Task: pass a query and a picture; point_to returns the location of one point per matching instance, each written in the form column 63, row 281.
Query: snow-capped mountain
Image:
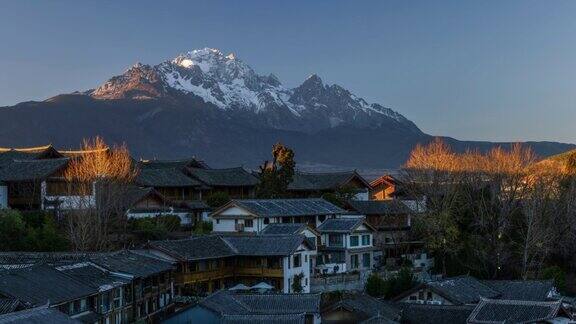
column 229, row 84
column 214, row 106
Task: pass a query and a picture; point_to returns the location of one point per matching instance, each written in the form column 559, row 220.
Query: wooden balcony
column 199, row 276
column 259, row 272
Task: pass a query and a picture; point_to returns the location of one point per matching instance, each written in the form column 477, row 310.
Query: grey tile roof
column 379, row 207
column 534, row 290
column 132, row 263
column 22, row 170
column 367, row 308
column 263, row 245
column 40, row 284
column 463, row 289
column 218, row 246
column 40, row 315
column 322, row 181
column 434, row 314
column 93, row 276
column 9, row 305
column 232, row 177
column 165, row 177
column 230, row 303
column 339, row 225
column 171, row 164
column 195, row 248
column 283, row 228
column 509, row 311
column 264, row 319
column 288, row 207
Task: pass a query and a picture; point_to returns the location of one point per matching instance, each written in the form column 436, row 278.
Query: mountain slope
column 214, row 106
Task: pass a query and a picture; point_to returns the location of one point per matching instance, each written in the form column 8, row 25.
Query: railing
column 228, row 272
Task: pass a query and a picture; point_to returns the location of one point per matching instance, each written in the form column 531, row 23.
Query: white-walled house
column 347, row 244
column 253, row 215
column 207, row 263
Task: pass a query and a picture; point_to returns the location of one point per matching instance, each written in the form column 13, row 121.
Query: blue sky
column 482, row 70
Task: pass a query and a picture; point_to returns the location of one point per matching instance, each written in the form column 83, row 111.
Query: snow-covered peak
column 227, row 82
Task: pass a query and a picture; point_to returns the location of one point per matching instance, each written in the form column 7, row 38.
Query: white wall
column 185, row 218
column 69, row 202
column 3, row 196
column 304, row 268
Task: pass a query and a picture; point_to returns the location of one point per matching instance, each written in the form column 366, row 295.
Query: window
column 217, row 221
column 321, row 218
column 429, row 295
column 365, row 240
column 421, row 295
column 297, row 260
column 354, row 240
column 306, row 258
column 335, row 240
column 412, row 297
column 354, row 261
column 266, row 221
column 248, row 223
column 366, row 260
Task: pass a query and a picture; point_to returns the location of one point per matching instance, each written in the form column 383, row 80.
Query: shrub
column 375, row 285
column 203, row 227
column 557, row 274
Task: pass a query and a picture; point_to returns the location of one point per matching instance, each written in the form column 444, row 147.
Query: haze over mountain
column 214, row 106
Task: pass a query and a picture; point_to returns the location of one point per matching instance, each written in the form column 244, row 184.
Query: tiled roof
column 218, row 246
column 340, row 225
column 463, row 289
column 40, row 284
column 434, row 314
column 287, row 207
column 232, row 177
column 283, row 228
column 263, row 245
column 165, row 177
column 534, row 290
column 322, row 181
column 171, row 164
column 93, row 276
column 367, row 308
column 9, row 305
column 22, row 170
column 195, row 248
column 264, row 319
column 514, row 311
column 131, row 263
column 228, row 303
column 40, row 315
column 379, row 207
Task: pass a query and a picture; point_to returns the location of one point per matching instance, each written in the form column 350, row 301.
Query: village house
column 392, row 220
column 112, row 288
column 40, row 285
column 346, row 245
column 192, row 180
column 206, row 263
column 238, row 307
column 253, row 215
column 467, row 290
column 360, row 308
column 384, row 187
column 310, row 185
column 519, row 311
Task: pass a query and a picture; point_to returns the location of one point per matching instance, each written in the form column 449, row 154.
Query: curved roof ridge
column 26, row 149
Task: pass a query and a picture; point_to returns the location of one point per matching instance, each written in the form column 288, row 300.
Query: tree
column 99, row 178
column 217, row 199
column 12, row 231
column 276, row 175
column 375, row 286
column 297, row 283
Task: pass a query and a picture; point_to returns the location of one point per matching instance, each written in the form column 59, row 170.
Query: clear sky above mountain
column 484, row 70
